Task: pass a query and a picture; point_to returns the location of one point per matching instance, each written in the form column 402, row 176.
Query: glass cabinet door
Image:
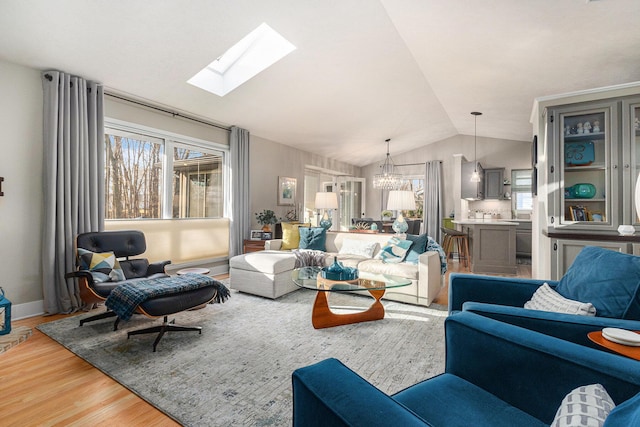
column 634, row 165
column 585, row 163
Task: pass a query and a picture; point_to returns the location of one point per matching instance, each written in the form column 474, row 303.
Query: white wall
column 21, row 205
column 491, row 152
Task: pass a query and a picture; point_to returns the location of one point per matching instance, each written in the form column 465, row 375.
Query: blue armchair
column 614, row 291
column 496, row 375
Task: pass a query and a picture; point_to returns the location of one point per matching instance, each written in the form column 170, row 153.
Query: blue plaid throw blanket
column 124, row 299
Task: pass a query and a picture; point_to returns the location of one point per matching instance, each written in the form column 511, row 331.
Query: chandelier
column 387, row 179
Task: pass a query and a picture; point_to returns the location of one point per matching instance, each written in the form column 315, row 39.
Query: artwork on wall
column 286, row 191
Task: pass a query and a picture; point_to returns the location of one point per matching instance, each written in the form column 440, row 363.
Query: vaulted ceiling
column 363, row 70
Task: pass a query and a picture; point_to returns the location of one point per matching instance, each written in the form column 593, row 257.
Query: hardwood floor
column 44, row 384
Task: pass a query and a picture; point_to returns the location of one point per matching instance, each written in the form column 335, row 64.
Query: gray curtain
column 240, row 195
column 433, row 199
column 73, row 184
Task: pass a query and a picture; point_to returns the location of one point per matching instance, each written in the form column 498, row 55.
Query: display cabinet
column 585, row 167
column 631, row 159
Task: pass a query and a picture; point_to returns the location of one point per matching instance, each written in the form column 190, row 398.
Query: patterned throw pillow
column 546, row 299
column 586, row 406
column 395, row 250
column 104, row 263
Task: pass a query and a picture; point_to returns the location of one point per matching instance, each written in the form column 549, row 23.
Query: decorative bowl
column 626, row 230
column 582, row 191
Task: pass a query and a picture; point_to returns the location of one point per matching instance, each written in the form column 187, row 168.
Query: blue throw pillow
column 607, row 279
column 419, row 247
column 313, row 238
column 395, row 250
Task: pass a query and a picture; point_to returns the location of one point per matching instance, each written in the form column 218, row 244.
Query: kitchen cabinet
column 492, row 244
column 472, row 190
column 494, row 183
column 523, row 239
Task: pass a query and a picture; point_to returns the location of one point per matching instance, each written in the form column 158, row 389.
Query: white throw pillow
column 588, row 406
column 546, row 299
column 358, row 247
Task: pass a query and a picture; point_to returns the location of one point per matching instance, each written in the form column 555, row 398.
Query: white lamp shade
column 401, row 200
column 326, row 200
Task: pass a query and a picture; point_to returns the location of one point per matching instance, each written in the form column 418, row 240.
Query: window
column 415, row 184
column 521, row 195
column 138, row 173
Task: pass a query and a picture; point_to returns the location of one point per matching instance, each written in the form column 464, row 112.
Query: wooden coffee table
column 625, row 350
column 323, row 317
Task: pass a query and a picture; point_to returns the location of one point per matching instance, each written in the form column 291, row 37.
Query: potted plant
column 266, row 218
column 386, row 215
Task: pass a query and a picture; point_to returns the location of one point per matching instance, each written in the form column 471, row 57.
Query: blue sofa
column 608, row 279
column 496, row 375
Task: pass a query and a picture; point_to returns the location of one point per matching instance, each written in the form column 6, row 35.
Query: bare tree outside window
column 132, row 177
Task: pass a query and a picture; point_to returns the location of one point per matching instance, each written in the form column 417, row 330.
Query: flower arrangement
column 266, row 217
column 386, row 214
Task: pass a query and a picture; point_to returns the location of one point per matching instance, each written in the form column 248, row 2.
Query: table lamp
column 326, row 201
column 400, row 201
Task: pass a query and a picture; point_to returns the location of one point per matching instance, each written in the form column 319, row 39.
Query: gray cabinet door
column 564, row 252
column 494, row 183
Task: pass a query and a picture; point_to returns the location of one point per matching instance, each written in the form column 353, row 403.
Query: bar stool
column 461, row 242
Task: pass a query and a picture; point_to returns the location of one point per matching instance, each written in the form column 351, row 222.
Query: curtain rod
column 173, row 113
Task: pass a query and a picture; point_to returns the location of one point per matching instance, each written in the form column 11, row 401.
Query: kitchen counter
column 492, row 244
column 486, row 221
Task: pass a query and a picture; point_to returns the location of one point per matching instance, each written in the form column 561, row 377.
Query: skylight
column 256, row 52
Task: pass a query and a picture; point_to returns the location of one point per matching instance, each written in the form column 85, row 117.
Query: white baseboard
column 28, row 309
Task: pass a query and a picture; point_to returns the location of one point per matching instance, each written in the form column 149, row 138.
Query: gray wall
column 21, row 205
column 269, row 160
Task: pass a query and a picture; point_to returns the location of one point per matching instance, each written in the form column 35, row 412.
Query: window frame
column 172, row 140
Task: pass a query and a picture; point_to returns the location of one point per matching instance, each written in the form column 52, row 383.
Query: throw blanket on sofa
column 309, row 258
column 432, row 245
column 124, row 299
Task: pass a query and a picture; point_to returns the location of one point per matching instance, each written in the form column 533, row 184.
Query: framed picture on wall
column 286, row 191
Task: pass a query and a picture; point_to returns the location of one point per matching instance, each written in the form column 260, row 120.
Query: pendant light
column 475, row 176
column 387, row 179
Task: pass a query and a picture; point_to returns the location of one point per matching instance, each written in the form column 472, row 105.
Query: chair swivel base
column 165, row 327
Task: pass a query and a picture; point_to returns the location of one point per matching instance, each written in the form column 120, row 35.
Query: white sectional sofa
column 268, row 273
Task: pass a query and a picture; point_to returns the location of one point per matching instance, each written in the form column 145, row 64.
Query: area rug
column 238, row 371
column 17, row 335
